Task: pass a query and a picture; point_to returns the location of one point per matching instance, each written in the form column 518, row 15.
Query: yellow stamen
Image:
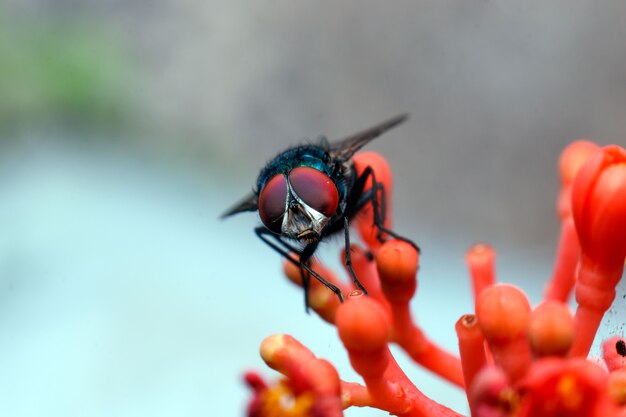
column 569, row 393
column 279, row 401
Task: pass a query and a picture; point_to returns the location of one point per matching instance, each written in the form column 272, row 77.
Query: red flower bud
column 614, row 353
column 503, row 314
column 363, row 325
column 397, row 263
column 551, row 330
column 572, row 159
column 599, row 206
column 282, row 352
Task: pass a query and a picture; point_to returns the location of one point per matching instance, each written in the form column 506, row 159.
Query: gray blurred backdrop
column 126, row 128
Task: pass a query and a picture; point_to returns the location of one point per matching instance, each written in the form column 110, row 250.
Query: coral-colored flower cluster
column 513, row 359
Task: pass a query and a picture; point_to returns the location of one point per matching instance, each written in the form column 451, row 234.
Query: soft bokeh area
column 127, row 128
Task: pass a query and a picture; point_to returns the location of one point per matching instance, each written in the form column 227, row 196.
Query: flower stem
column 564, row 276
column 595, row 292
column 480, row 260
column 428, row 354
column 471, row 349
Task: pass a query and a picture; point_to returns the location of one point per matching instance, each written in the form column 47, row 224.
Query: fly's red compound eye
column 315, row 188
column 272, row 202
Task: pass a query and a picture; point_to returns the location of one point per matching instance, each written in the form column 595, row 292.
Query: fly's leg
column 262, row 232
column 284, row 249
column 376, row 195
column 305, row 257
column 346, row 232
column 306, row 284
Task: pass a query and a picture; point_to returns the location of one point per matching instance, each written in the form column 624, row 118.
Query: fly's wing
column 345, row 148
column 249, row 203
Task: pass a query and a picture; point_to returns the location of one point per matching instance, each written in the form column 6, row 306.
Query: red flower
column 491, row 394
column 565, row 387
column 311, row 387
column 617, row 387
column 281, row 399
column 599, row 206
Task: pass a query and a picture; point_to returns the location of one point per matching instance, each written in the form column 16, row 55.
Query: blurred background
column 127, row 128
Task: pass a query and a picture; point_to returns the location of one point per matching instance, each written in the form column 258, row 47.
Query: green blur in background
column 62, row 74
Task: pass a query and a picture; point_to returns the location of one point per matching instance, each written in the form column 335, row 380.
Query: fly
column 309, row 192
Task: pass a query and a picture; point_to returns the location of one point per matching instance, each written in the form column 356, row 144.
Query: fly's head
column 299, row 204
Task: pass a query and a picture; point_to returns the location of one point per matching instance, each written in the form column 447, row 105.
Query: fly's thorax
column 345, row 178
column 306, row 155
